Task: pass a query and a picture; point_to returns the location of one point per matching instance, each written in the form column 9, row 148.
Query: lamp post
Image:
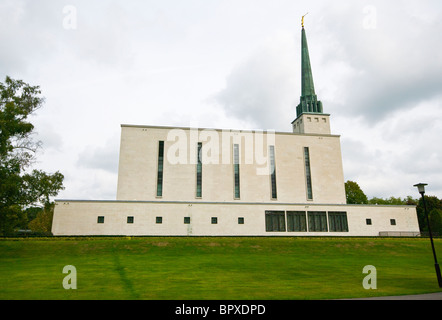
column 421, row 188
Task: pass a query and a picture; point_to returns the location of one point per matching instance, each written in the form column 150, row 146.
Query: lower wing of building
column 139, row 218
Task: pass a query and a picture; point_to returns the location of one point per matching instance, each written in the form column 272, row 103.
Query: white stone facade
column 259, row 210
column 80, row 218
column 137, row 178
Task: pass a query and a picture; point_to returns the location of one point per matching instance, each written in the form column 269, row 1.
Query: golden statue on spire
column 302, row 20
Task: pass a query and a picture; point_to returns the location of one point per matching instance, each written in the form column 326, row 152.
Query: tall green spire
column 308, row 88
column 309, row 101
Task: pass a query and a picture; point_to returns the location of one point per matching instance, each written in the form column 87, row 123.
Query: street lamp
column 421, row 188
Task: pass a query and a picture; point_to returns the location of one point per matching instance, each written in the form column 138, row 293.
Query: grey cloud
column 101, row 157
column 101, row 35
column 375, row 72
column 387, row 158
column 35, row 31
column 26, row 33
column 49, row 137
column 398, row 63
column 262, row 89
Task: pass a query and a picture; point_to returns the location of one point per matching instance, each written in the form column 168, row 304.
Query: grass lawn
column 215, row 268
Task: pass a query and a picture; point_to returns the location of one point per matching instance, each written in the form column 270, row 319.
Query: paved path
column 429, row 296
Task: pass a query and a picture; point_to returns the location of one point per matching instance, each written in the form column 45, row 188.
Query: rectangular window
column 275, row 221
column 240, row 220
column 160, row 169
column 393, row 222
column 296, row 221
column 130, row 219
column 317, row 221
column 368, row 221
column 214, row 220
column 236, row 170
column 199, row 171
column 186, row 220
column 159, row 220
column 308, row 175
column 272, row 171
column 100, row 220
column 338, row 221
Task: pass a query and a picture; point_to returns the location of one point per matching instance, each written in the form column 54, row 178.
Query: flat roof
column 236, row 203
column 234, row 130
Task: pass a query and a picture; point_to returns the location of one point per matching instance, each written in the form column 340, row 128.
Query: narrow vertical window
column 308, row 175
column 160, row 169
column 272, row 171
column 236, row 169
column 199, row 171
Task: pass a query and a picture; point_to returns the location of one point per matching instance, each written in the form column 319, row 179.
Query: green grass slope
column 215, row 268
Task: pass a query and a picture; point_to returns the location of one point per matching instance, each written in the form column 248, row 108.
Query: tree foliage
column 43, row 221
column 20, row 188
column 434, row 207
column 354, row 193
column 435, row 217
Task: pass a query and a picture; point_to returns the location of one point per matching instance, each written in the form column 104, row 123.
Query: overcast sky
column 377, row 68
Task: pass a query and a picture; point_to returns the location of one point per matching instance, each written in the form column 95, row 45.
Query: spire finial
column 302, row 20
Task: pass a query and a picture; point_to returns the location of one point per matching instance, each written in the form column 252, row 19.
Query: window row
column 290, row 221
column 159, row 220
column 236, row 172
column 301, row 221
column 369, row 222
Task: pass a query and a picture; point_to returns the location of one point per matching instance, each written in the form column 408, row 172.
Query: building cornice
column 232, row 130
column 306, row 205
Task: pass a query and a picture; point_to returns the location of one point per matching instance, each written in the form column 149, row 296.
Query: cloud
column 261, row 90
column 36, row 31
column 389, row 157
column 101, row 35
column 87, row 184
column 157, row 62
column 101, row 157
column 47, row 134
column 395, row 65
column 25, row 33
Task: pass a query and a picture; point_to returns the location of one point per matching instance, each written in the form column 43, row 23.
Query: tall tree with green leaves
column 20, row 188
column 432, row 203
column 354, row 193
column 436, row 221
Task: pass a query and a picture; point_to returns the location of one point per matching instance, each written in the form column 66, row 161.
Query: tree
column 436, row 221
column 43, row 222
column 409, row 201
column 432, row 203
column 43, row 186
column 19, row 188
column 354, row 193
column 392, row 201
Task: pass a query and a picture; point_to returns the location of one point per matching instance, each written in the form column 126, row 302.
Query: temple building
column 176, row 181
